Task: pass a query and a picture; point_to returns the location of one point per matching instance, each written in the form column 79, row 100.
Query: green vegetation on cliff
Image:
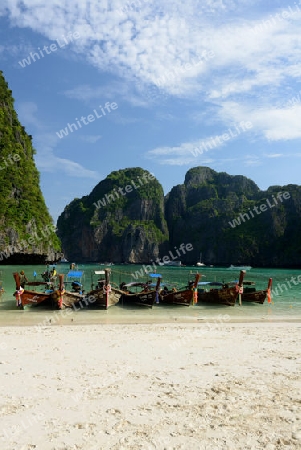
column 121, row 220
column 215, row 212
column 25, row 223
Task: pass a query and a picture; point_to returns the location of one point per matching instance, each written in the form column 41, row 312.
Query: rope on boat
column 177, row 284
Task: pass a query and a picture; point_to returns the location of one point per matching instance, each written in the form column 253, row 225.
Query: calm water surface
column 286, row 296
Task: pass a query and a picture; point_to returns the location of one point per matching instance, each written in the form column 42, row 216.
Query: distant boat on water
column 200, row 263
column 173, row 263
column 232, row 267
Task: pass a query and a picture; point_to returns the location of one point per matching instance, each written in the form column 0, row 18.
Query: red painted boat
column 183, row 297
column 49, row 296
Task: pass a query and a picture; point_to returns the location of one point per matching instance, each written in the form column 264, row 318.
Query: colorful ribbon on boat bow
column 60, row 300
column 18, row 296
column 195, row 296
column 239, row 289
column 107, row 288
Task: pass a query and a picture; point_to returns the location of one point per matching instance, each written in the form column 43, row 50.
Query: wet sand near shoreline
column 118, row 315
column 10, row 315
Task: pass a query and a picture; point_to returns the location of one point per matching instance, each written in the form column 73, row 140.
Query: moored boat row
column 104, row 294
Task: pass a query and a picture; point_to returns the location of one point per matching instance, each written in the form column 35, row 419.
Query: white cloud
column 91, row 138
column 190, row 152
column 47, row 161
column 27, row 112
column 142, row 43
column 252, row 160
column 185, row 153
column 45, row 143
column 274, row 155
column 273, row 124
column 113, row 91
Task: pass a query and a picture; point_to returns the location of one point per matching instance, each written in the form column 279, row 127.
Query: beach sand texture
column 151, row 386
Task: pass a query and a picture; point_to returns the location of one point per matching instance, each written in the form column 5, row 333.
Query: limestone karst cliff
column 226, row 218
column 121, row 220
column 230, row 220
column 27, row 232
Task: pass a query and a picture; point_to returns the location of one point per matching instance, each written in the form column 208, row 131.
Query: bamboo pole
column 240, row 285
column 107, row 287
column 61, row 289
column 157, row 289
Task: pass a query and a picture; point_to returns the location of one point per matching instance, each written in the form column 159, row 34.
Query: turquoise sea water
column 286, row 294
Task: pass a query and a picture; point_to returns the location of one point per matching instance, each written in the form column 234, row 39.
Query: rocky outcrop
column 226, row 218
column 121, row 220
column 230, row 220
column 27, row 233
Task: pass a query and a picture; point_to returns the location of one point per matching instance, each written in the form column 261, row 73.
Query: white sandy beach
column 151, row 386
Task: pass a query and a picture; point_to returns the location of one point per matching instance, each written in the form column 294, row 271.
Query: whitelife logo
column 215, row 141
column 86, row 120
column 33, row 57
column 263, row 207
column 146, row 177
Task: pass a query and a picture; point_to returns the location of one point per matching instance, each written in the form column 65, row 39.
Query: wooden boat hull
column 25, row 297
column 36, row 298
column 140, row 298
column 102, row 299
column 224, row 296
column 71, row 299
column 183, row 298
column 256, row 297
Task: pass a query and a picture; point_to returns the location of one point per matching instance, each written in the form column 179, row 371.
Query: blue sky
column 186, row 79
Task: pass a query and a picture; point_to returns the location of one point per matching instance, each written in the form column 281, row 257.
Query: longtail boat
column 104, row 295
column 49, row 296
column 225, row 295
column 146, row 297
column 250, row 294
column 31, row 297
column 74, row 289
column 184, row 297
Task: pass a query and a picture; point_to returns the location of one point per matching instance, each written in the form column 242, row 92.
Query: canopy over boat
column 75, row 274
